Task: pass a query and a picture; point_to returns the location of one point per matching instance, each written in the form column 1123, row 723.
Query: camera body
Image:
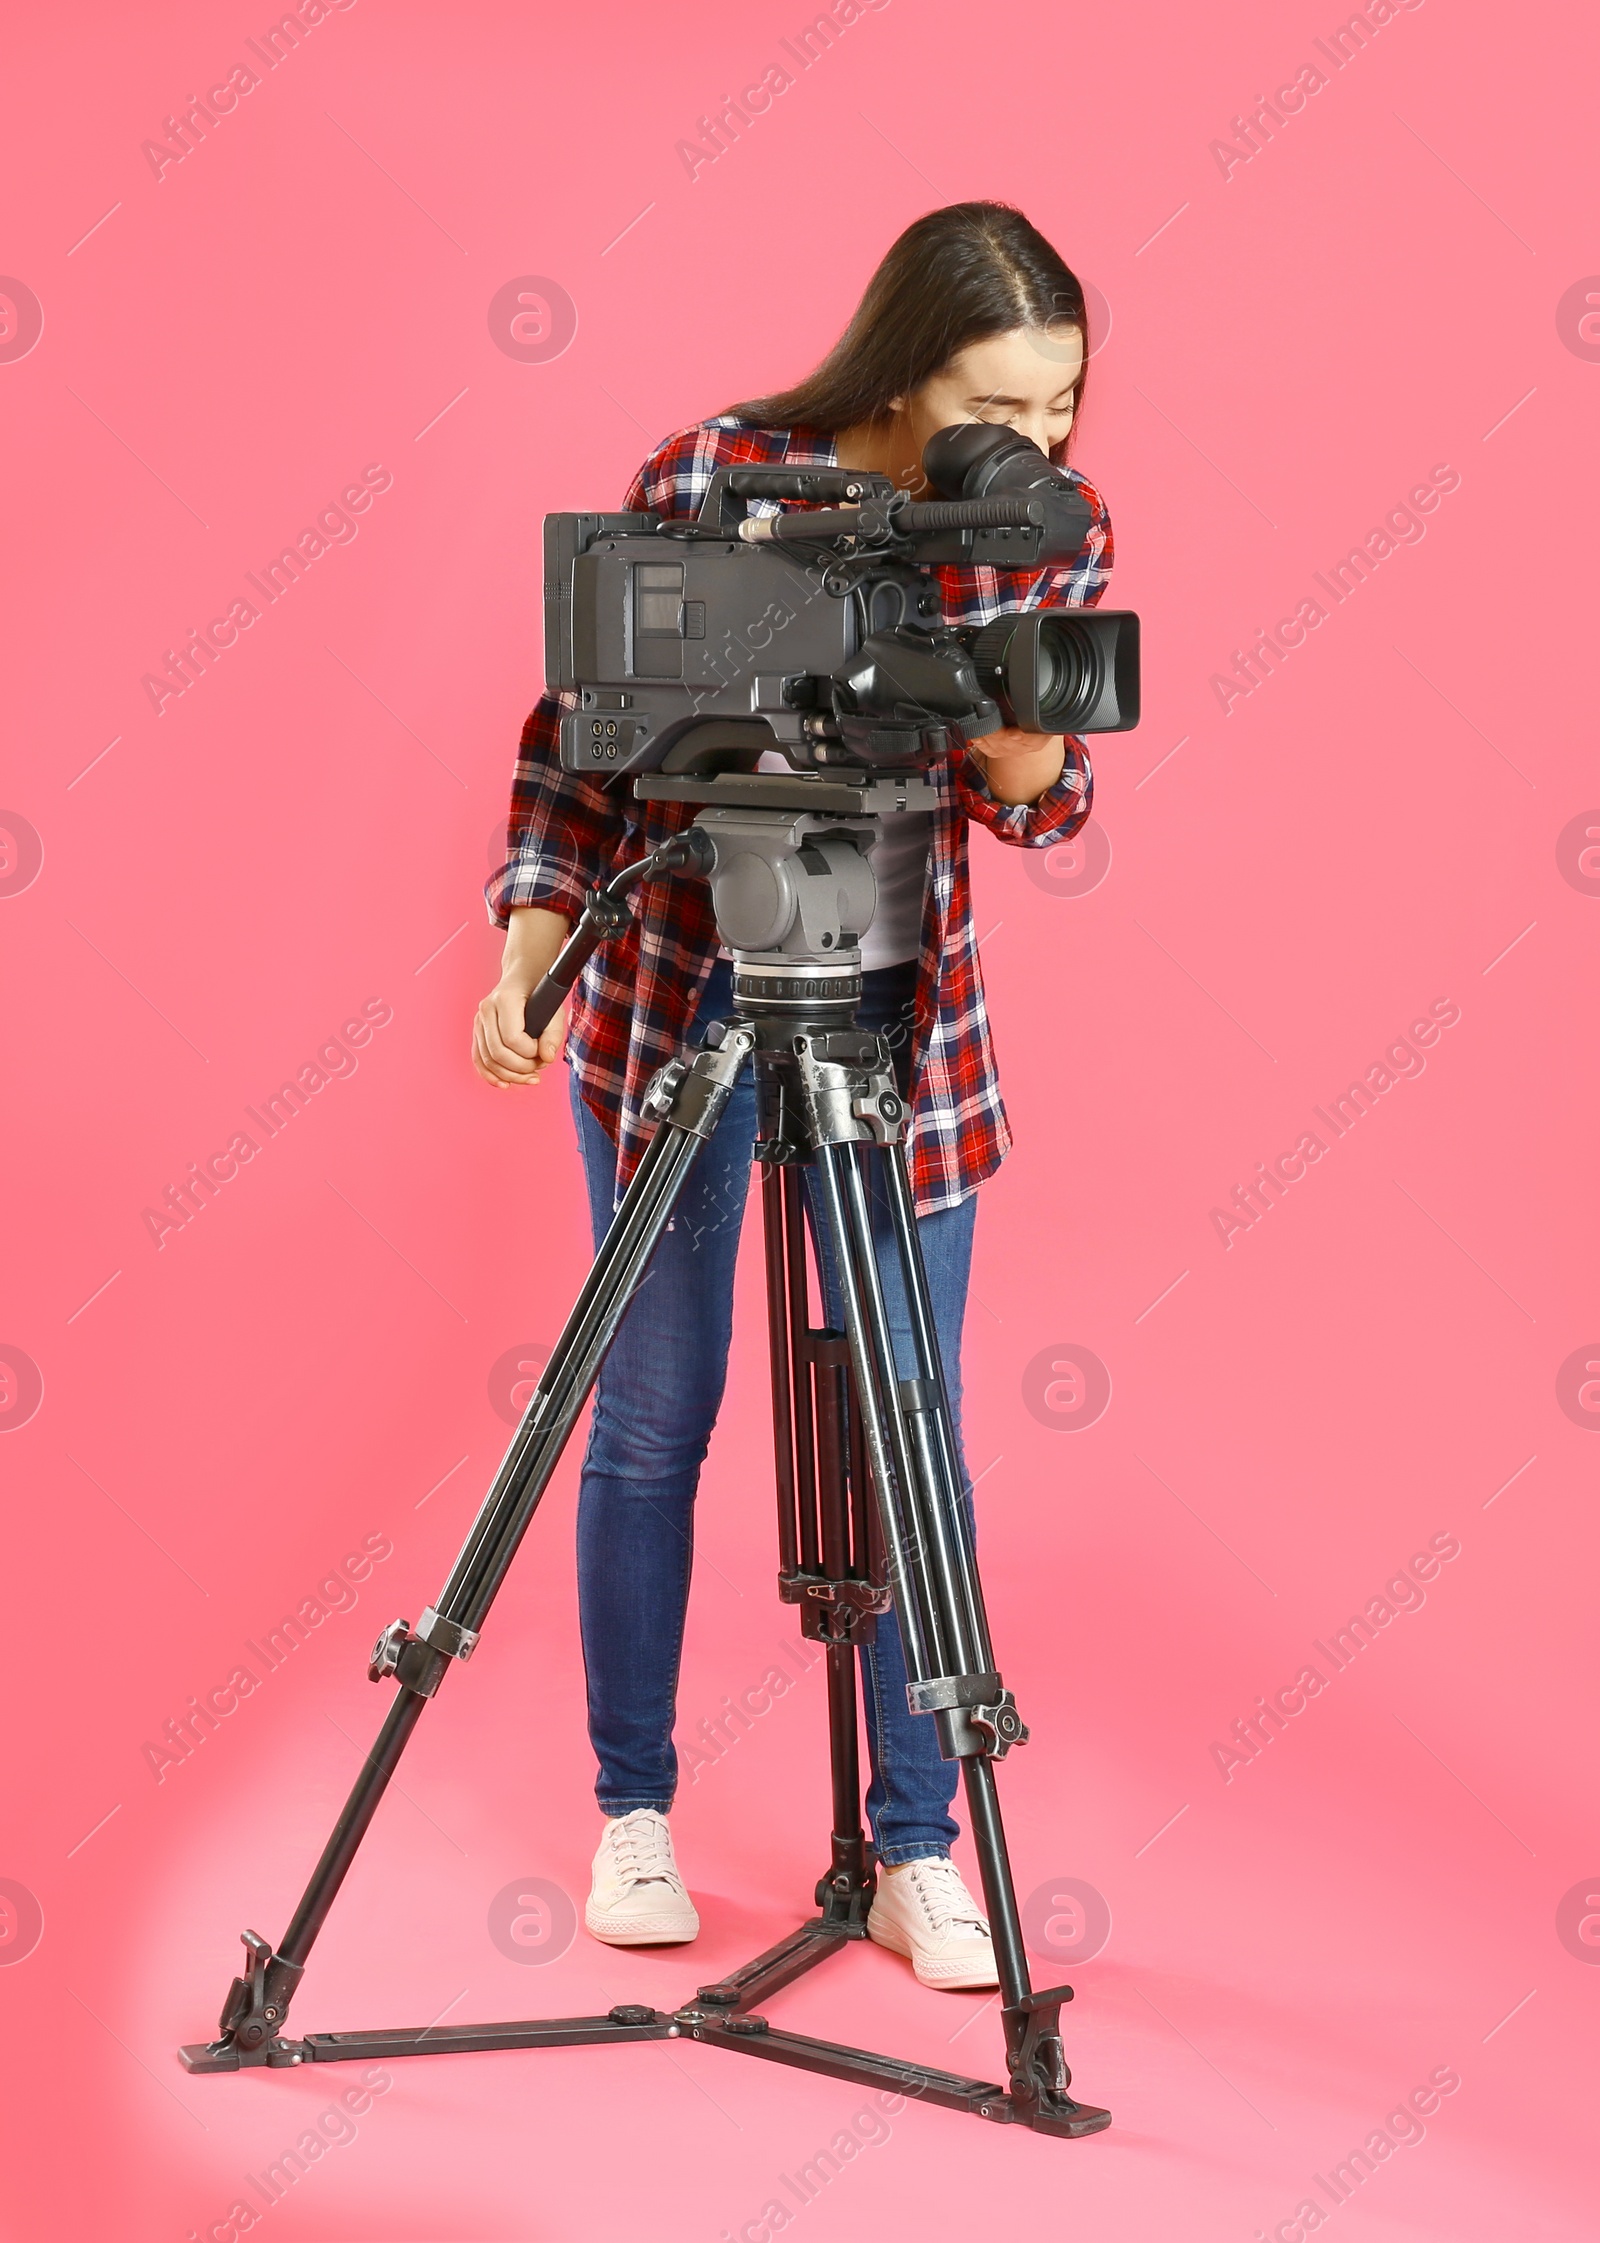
column 695, row 646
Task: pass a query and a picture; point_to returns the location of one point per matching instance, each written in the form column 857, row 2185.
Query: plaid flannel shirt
column 637, row 998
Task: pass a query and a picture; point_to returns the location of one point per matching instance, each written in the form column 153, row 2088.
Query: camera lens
column 1046, row 671
column 1070, row 675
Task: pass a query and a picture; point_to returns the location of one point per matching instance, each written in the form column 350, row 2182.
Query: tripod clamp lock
column 419, row 1657
column 445, row 1635
column 998, row 1727
column 691, row 1093
column 848, row 1090
column 882, row 1111
column 983, row 1717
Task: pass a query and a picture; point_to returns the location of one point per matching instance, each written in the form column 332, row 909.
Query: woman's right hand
column 502, row 1050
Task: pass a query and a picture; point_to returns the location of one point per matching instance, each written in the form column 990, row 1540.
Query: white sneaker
column 637, row 1898
column 925, row 1911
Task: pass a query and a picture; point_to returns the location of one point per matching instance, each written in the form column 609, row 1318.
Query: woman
column 971, row 316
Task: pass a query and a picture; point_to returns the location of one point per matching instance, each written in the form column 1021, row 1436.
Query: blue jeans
column 655, row 1405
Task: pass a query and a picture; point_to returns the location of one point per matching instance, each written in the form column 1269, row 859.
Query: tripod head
column 793, row 892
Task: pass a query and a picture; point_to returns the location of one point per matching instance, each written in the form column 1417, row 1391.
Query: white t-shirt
column 899, row 859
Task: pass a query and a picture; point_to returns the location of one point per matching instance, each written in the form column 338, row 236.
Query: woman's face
column 1022, row 379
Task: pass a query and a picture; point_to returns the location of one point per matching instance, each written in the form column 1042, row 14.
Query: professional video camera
column 695, row 645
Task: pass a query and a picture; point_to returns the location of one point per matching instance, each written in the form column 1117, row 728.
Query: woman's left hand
column 1019, row 766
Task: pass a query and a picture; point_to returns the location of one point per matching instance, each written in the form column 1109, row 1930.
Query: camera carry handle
column 844, row 486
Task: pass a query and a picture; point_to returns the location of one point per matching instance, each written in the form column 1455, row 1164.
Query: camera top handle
column 1048, row 518
column 969, row 460
column 720, row 512
column 882, row 508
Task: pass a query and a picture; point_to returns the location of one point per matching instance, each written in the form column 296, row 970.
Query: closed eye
column 978, row 406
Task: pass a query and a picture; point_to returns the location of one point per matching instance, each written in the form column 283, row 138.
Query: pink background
column 1382, row 289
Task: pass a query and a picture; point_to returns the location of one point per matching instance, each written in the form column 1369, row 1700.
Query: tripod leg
column 846, row 1893
column 686, row 1101
column 819, row 1570
column 910, row 1441
column 899, row 1456
column 1038, row 2063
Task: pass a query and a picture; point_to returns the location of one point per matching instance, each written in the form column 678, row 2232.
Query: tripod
column 870, row 1500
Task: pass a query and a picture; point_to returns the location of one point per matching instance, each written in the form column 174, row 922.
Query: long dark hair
column 953, row 277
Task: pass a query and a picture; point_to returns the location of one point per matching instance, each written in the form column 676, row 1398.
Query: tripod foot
column 1038, row 2065
column 252, row 2016
column 224, row 2055
column 845, row 1894
column 1061, row 2115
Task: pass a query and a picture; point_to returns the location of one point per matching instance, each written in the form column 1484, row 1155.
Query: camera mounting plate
column 871, row 795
